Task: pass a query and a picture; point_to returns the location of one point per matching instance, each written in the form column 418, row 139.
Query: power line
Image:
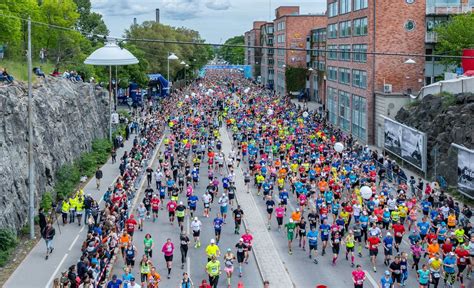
column 202, row 43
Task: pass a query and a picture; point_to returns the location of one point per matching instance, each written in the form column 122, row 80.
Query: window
column 345, row 6
column 345, row 29
column 270, row 29
column 360, row 4
column 360, row 26
column 332, row 31
column 410, row 25
column 359, row 117
column 344, row 110
column 359, row 53
column 345, row 52
column 344, row 76
column 332, row 9
column 281, row 52
column 359, row 78
column 410, row 1
column 332, row 73
column 321, row 66
column 332, row 105
column 332, row 54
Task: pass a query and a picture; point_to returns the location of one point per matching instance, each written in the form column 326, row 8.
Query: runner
column 374, row 243
column 145, row 269
column 312, row 237
column 196, row 227
column 149, row 245
column 171, row 206
column 238, row 215
column 183, row 247
column 212, row 250
column 213, row 269
column 229, row 258
column 290, row 230
column 240, row 246
column 218, row 222
column 248, row 238
column 168, row 250
column 358, row 277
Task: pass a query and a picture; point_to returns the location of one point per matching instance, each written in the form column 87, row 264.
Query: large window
column 345, row 29
column 344, row 110
column 359, row 117
column 332, row 73
column 332, row 52
column 345, row 6
column 360, row 4
column 359, row 78
column 360, row 27
column 332, row 9
column 332, row 105
column 359, row 53
column 332, row 31
column 345, row 52
column 344, row 76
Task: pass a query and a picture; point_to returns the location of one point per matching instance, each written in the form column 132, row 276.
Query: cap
column 388, row 234
column 195, row 218
column 387, row 273
column 114, row 277
column 297, row 209
column 213, row 241
column 180, row 202
column 291, row 220
column 132, row 279
column 228, row 249
column 241, row 239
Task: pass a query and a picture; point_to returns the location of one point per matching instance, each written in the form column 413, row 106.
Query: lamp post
column 184, row 66
column 171, row 56
column 111, row 55
column 409, row 61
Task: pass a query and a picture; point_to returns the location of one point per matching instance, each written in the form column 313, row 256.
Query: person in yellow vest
column 65, row 210
column 79, row 208
column 72, row 209
column 451, row 221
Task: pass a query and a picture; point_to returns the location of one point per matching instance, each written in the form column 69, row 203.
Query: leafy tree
column 233, row 55
column 295, row 78
column 89, row 22
column 454, row 36
column 11, row 31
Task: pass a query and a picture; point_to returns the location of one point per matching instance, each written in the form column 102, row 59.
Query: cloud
column 218, row 4
column 180, row 9
column 119, row 7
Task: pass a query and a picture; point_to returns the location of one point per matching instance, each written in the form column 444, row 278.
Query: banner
column 466, row 172
column 406, row 143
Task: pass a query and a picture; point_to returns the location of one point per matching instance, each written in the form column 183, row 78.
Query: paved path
column 35, row 271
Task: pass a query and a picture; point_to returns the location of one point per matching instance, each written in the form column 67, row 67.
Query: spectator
column 38, row 72
column 4, row 76
column 56, row 73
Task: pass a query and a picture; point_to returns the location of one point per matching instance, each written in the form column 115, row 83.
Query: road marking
column 56, row 271
column 371, row 279
column 74, row 242
column 82, row 229
column 188, row 266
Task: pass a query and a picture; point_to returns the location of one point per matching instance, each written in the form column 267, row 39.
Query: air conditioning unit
column 387, row 88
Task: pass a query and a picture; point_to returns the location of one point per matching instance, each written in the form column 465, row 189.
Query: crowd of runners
column 289, row 161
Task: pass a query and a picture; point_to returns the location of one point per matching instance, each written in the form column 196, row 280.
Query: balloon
column 366, row 192
column 200, row 84
column 339, row 147
column 305, row 114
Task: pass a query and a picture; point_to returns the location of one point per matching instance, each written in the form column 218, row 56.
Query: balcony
column 431, row 37
column 448, row 10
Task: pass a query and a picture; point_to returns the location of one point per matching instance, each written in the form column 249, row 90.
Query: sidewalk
column 270, row 265
column 35, row 271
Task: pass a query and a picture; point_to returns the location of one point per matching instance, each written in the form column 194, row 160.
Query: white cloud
column 180, row 9
column 218, row 4
column 119, row 7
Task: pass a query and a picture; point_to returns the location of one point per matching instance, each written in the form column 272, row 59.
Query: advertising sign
column 465, row 171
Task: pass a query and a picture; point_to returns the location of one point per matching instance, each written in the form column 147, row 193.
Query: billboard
column 465, row 171
column 405, row 142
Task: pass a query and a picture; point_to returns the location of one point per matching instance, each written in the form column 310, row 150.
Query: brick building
column 253, row 55
column 290, row 31
column 316, row 62
column 267, row 61
column 357, row 28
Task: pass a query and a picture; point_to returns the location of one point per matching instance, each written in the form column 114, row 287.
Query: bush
column 46, row 201
column 8, row 242
column 101, row 149
column 67, row 178
column 87, row 164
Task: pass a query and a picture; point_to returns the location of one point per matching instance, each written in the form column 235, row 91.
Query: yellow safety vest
column 65, row 207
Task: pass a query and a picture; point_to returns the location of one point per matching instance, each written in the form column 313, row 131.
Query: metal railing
column 443, row 10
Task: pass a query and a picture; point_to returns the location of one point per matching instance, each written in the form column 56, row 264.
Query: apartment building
column 253, row 55
column 290, row 31
column 316, row 63
column 438, row 12
column 267, row 61
column 362, row 38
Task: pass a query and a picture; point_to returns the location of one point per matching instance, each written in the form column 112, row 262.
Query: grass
column 8, row 242
column 19, row 70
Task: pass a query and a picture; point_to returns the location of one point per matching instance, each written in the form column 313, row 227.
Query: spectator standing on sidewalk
column 42, row 220
column 98, row 176
column 48, row 236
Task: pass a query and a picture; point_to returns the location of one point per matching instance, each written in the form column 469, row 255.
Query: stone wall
column 67, row 117
column 444, row 124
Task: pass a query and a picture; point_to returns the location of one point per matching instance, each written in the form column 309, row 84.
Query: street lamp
column 310, row 69
column 410, row 61
column 171, row 56
column 111, row 55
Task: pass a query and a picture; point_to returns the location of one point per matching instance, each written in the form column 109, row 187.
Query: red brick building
column 290, row 31
column 359, row 33
column 253, row 55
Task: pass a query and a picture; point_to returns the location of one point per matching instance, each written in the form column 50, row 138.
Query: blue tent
column 158, row 81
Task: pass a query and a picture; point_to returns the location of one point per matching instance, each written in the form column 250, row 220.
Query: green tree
column 295, row 78
column 454, row 36
column 11, row 35
column 233, row 55
column 89, row 22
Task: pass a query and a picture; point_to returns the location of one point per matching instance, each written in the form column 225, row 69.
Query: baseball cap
column 387, row 273
column 114, row 277
column 241, row 239
column 132, row 279
column 213, row 241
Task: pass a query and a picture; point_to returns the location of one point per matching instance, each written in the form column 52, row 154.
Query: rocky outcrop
column 67, row 117
column 445, row 119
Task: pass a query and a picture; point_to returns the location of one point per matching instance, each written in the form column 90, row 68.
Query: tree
column 90, row 22
column 233, row 55
column 295, row 78
column 454, row 36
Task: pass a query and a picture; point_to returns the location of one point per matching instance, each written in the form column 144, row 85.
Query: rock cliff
column 67, row 117
column 445, row 119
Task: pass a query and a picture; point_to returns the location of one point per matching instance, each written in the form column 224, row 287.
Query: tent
column 158, row 85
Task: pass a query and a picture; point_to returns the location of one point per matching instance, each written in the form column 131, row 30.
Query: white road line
column 73, row 242
column 188, row 266
column 82, row 229
column 48, row 285
column 371, row 279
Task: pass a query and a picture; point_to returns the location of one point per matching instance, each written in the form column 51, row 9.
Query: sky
column 216, row 20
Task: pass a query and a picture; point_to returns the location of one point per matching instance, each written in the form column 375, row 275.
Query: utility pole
column 31, row 166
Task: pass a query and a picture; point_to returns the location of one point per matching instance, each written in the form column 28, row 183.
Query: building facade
column 316, row 63
column 253, row 55
column 360, row 61
column 267, row 60
column 290, row 31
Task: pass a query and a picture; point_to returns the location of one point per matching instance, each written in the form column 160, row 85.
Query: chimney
column 135, row 21
column 157, row 15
